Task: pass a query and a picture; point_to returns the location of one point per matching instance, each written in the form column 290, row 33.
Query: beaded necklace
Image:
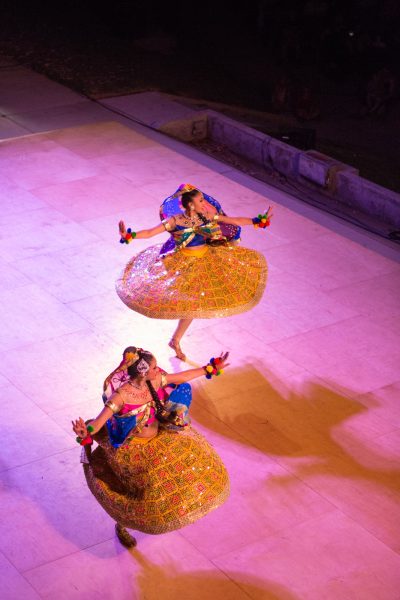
column 191, row 221
column 138, row 387
column 139, row 393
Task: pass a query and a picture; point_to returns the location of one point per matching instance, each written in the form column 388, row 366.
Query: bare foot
column 178, row 350
column 124, row 536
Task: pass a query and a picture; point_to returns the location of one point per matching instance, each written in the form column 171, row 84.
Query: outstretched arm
column 144, row 233
column 184, row 376
column 261, row 221
column 190, row 374
column 80, row 427
column 241, row 221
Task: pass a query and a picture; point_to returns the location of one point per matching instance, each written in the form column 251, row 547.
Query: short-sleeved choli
column 169, row 224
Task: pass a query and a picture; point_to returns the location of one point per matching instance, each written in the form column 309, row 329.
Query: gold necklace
column 138, row 387
column 188, row 220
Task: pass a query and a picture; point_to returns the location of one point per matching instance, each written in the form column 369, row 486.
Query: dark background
column 331, row 67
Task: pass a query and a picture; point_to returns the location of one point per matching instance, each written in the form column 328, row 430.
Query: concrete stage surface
column 306, row 418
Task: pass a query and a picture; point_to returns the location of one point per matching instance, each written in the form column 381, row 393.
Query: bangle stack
column 127, row 237
column 262, row 221
column 213, row 368
column 88, row 439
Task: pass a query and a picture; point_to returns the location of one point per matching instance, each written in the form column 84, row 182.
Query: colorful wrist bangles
column 128, row 236
column 262, row 221
column 88, row 439
column 212, row 368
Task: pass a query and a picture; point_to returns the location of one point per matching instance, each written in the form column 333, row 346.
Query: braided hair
column 161, row 414
column 188, row 197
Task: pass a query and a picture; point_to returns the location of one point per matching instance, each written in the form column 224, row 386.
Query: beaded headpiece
column 183, row 188
column 142, row 367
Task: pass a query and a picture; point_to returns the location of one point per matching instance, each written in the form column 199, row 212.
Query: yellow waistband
column 197, row 251
column 142, row 441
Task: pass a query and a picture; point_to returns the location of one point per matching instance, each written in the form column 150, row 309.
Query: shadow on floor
column 168, row 583
column 311, row 431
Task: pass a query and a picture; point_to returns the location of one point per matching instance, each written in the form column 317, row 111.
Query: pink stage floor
column 307, row 418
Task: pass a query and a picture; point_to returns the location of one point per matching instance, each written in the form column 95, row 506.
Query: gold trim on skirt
column 203, row 282
column 172, row 480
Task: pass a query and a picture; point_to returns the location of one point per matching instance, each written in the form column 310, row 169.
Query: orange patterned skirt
column 158, row 485
column 201, row 282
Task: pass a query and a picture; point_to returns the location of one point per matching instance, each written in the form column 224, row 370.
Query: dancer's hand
column 80, row 428
column 223, row 358
column 122, row 229
column 208, row 210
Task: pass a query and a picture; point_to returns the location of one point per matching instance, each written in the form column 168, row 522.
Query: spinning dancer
column 151, row 471
column 201, row 272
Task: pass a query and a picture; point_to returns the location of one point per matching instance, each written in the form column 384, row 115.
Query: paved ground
column 306, row 419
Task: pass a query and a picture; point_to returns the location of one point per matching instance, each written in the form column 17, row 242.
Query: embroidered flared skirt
column 158, row 485
column 213, row 281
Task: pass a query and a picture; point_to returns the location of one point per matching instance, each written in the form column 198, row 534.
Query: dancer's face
column 198, row 202
column 153, row 370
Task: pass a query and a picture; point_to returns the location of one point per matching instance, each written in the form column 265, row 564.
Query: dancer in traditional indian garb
column 151, row 471
column 201, row 272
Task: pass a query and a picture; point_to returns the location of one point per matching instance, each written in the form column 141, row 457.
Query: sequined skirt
column 216, row 281
column 158, row 485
